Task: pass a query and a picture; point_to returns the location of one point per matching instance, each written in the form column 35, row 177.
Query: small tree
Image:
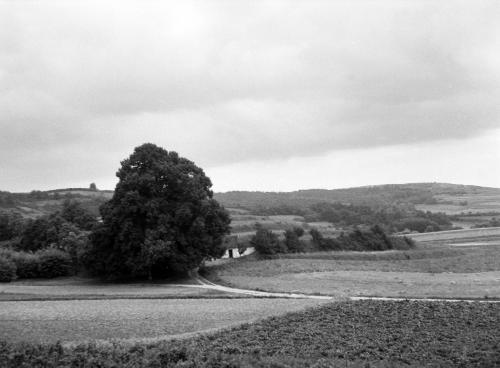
column 11, row 225
column 93, row 187
column 265, row 241
column 298, row 231
column 73, row 211
column 317, row 237
column 292, row 241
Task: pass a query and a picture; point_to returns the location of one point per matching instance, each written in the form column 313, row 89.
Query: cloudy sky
column 274, row 95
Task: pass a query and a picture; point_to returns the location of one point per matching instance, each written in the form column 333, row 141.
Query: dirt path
column 197, row 288
column 208, row 284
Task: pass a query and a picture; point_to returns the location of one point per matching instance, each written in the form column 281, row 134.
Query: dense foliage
column 268, row 243
column 45, row 263
column 392, row 218
column 161, row 220
column 353, row 334
column 493, row 222
column 11, row 225
column 265, row 241
column 7, row 269
column 374, row 239
column 53, row 263
column 62, row 229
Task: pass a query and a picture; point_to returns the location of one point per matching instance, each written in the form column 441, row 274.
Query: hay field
column 457, row 234
column 454, row 204
column 456, row 268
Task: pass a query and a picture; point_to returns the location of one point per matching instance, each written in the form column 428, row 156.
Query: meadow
column 433, row 269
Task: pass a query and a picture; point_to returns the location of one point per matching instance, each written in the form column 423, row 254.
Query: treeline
column 493, row 222
column 49, row 246
column 268, row 243
column 392, row 219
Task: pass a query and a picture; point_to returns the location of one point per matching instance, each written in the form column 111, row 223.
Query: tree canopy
column 161, row 220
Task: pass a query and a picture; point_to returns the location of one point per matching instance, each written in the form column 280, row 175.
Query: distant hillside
column 434, row 197
column 379, row 196
column 38, row 203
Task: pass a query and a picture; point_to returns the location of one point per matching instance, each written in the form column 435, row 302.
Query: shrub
column 292, row 242
column 54, row 263
column 27, row 264
column 266, row 242
column 7, row 270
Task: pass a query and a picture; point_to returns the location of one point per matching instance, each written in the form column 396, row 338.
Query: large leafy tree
column 162, row 219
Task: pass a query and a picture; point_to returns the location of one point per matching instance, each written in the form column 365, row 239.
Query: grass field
column 349, row 334
column 434, row 269
column 485, row 200
column 458, row 235
column 76, row 320
column 243, row 223
column 86, row 288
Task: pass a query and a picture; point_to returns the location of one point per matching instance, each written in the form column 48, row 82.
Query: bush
column 27, row 264
column 292, row 242
column 54, row 263
column 266, row 242
column 7, row 270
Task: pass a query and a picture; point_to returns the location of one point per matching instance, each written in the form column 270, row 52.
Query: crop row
column 353, row 334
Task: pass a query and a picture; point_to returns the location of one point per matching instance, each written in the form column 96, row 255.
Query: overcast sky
column 264, row 95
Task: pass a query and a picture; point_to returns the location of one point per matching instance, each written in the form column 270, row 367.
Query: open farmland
column 459, row 235
column 245, row 222
column 433, row 269
column 475, row 200
column 70, row 288
column 349, row 334
column 77, row 320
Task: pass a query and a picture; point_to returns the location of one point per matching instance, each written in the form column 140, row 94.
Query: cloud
column 229, row 82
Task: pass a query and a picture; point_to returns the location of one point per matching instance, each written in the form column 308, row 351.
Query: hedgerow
column 46, row 263
column 352, row 334
column 54, row 263
column 7, row 269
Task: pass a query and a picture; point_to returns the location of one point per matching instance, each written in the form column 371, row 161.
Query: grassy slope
column 30, row 207
column 354, row 334
column 449, row 197
column 418, row 193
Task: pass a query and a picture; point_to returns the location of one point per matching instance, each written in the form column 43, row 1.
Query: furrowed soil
column 340, row 334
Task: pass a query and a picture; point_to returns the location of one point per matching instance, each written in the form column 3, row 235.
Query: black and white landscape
column 249, row 184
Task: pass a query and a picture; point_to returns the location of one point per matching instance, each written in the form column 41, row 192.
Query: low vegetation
column 267, row 243
column 353, row 334
column 44, row 263
column 429, row 270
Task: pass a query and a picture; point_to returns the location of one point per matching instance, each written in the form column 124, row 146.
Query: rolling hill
column 470, row 204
